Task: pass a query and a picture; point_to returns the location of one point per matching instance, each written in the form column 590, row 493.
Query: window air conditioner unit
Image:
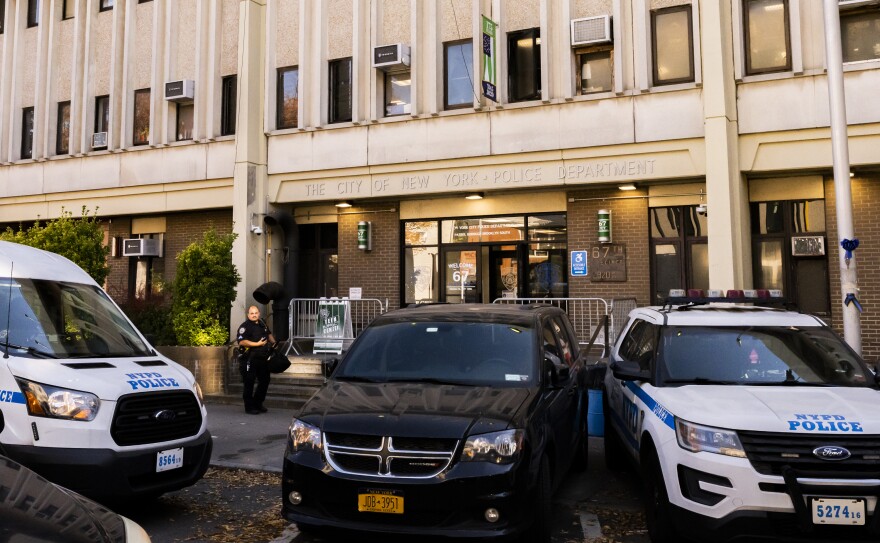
column 99, row 139
column 180, row 91
column 591, row 31
column 141, row 247
column 391, row 57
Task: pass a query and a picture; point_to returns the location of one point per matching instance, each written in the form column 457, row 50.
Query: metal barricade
column 585, row 315
column 304, row 319
column 620, row 308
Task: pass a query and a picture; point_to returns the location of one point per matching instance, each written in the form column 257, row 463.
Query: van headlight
column 304, row 436
column 199, row 393
column 58, row 403
column 498, row 447
column 697, row 438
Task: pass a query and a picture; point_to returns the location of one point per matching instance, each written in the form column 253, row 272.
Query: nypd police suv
column 745, row 421
column 85, row 401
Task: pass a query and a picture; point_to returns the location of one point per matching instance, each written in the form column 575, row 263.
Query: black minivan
column 454, row 420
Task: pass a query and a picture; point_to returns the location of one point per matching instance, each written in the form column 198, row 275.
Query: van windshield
column 51, row 319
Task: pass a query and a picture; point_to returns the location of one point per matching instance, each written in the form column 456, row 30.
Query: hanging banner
column 333, row 326
column 489, row 59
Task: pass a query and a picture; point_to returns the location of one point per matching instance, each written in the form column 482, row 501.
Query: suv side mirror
column 629, row 371
column 557, row 373
column 328, row 366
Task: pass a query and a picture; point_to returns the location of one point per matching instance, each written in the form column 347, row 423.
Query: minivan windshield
column 771, row 355
column 53, row 319
column 469, row 353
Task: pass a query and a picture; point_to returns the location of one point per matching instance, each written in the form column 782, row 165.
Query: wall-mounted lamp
column 474, row 196
column 628, row 186
column 345, row 203
column 852, row 174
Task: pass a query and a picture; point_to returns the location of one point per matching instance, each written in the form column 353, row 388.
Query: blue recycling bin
column 595, row 414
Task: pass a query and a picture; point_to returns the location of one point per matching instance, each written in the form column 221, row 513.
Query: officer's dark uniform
column 253, row 364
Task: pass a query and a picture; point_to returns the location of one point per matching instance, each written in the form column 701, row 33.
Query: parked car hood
column 413, row 409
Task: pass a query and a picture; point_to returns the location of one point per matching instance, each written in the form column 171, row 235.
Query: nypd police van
column 85, row 401
column 745, row 421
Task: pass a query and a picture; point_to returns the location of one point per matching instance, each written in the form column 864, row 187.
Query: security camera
column 702, row 210
column 256, row 230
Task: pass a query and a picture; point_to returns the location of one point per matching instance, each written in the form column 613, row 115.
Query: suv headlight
column 59, row 403
column 696, row 438
column 498, row 447
column 304, row 436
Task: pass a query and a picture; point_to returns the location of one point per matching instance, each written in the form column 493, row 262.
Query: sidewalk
column 248, row 441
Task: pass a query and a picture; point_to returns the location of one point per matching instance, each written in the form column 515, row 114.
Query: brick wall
column 377, row 272
column 629, row 223
column 865, row 193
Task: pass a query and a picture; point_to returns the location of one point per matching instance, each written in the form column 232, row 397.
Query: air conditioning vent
column 141, row 247
column 391, row 57
column 591, row 31
column 99, row 139
column 180, row 91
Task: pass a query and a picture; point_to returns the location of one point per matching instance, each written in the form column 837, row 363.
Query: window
column 524, row 65
column 144, row 1
column 185, row 114
column 679, row 250
column 67, row 9
column 673, row 45
column 595, row 70
column 860, row 33
column 27, row 132
column 105, row 5
column 458, row 72
column 33, row 13
column 340, row 90
column 288, row 97
column 767, row 36
column 62, row 132
column 228, row 105
column 141, row 123
column 2, row 15
column 397, row 98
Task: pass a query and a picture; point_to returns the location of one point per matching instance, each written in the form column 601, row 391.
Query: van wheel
column 615, row 454
column 581, row 459
column 658, row 512
column 539, row 532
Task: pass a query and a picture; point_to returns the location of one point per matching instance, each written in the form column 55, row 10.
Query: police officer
column 254, row 341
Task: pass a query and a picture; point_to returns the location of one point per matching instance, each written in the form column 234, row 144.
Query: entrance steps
column 287, row 390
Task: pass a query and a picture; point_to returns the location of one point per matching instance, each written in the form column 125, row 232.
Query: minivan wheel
column 658, row 512
column 539, row 532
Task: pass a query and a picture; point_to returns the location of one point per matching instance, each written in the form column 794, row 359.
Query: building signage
column 365, row 236
column 489, row 55
column 608, row 263
column 332, row 326
column 604, row 216
column 578, row 263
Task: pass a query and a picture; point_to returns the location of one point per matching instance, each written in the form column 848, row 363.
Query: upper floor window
column 102, row 116
column 595, row 69
column 340, row 90
column 27, row 132
column 860, row 33
column 62, row 132
column 524, row 65
column 33, row 13
column 67, row 9
column 2, row 15
column 458, row 72
column 141, row 123
column 397, row 96
column 105, row 5
column 287, row 94
column 185, row 119
column 673, row 45
column 767, row 36
column 228, row 105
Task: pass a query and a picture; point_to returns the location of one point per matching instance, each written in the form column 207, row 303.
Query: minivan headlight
column 304, row 436
column 59, row 403
column 697, row 438
column 498, row 447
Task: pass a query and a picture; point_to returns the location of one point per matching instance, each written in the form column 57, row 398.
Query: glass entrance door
column 461, row 275
column 504, row 272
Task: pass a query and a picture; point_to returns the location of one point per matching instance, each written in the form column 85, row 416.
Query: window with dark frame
column 2, row 15
column 524, row 65
column 105, row 5
column 595, row 69
column 228, row 105
column 860, row 34
column 767, row 36
column 397, row 95
column 33, row 13
column 141, row 121
column 679, row 250
column 27, row 132
column 185, row 116
column 287, row 96
column 672, row 45
column 62, row 132
column 340, row 90
column 458, row 74
column 67, row 9
column 102, row 115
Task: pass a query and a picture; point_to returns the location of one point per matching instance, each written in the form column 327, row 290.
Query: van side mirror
column 328, row 366
column 555, row 371
column 625, row 370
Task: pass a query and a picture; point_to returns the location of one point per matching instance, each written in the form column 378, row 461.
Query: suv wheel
column 581, row 459
column 539, row 532
column 658, row 513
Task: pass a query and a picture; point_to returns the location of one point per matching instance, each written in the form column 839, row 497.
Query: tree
column 80, row 240
column 204, row 289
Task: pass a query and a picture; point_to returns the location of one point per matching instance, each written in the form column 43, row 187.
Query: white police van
column 85, row 401
column 746, row 422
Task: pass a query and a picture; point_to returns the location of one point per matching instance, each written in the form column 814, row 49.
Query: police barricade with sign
column 333, row 330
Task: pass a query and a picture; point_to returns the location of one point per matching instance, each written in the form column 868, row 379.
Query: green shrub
column 203, row 290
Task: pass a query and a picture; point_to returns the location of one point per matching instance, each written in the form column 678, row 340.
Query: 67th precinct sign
column 489, row 89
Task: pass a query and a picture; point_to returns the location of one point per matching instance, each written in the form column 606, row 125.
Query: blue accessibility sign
column 578, row 263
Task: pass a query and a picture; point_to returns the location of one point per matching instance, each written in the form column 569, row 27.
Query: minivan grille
column 380, row 456
column 153, row 417
column 770, row 452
